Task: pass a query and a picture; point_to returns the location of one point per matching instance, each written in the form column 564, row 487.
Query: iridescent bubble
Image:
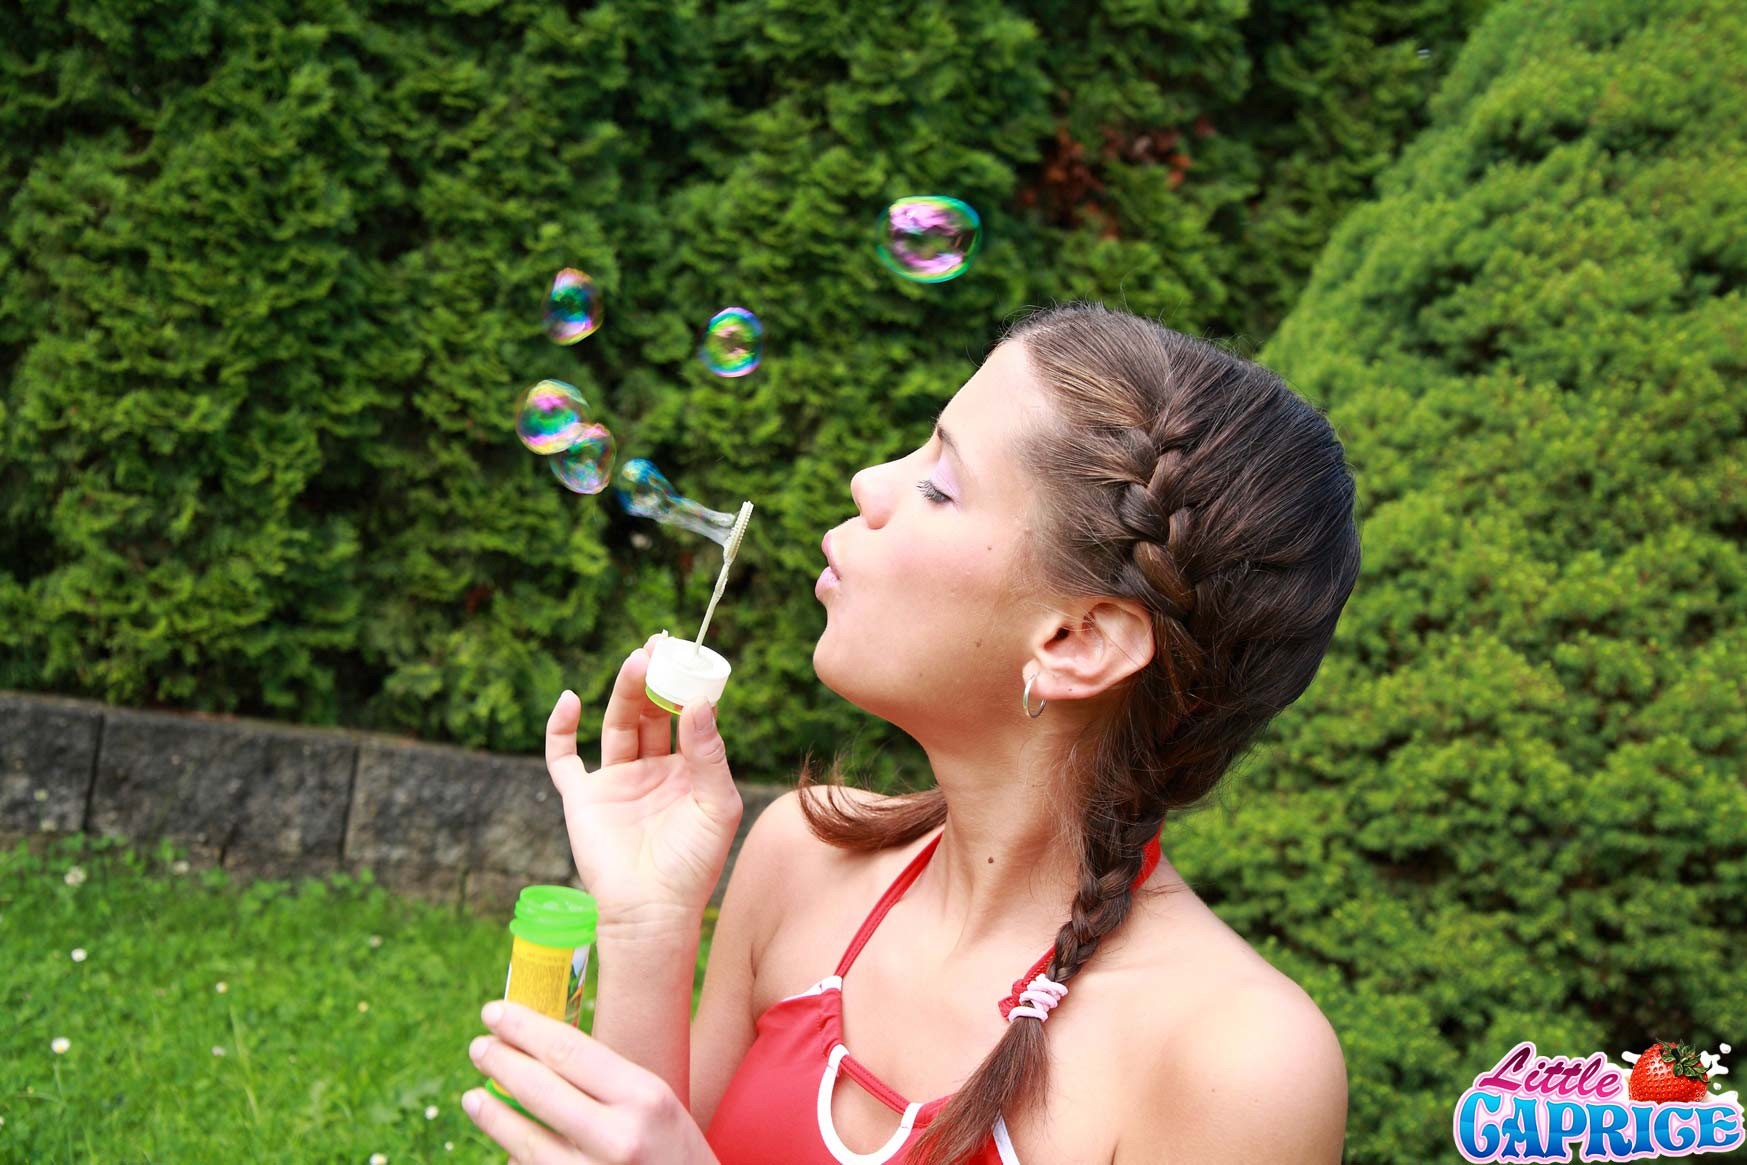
column 573, row 306
column 587, row 466
column 733, row 342
column 929, row 238
column 552, row 417
column 643, row 491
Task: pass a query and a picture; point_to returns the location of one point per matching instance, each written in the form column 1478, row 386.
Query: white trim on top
column 1004, row 1143
column 828, row 983
column 828, row 1130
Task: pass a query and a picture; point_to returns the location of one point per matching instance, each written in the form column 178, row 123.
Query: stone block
column 492, row 893
column 434, row 884
column 419, row 804
column 48, row 748
column 213, row 785
column 250, row 863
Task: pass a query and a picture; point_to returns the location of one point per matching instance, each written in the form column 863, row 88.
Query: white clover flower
column 179, row 866
column 75, row 876
column 78, row 954
column 448, row 1146
column 379, row 1159
column 362, row 1007
column 430, row 1112
column 217, row 1051
column 375, row 941
column 60, row 1044
column 221, row 987
column 42, row 795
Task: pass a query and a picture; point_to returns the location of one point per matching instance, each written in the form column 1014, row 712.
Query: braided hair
column 1196, row 482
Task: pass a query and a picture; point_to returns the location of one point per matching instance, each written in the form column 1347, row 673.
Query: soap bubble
column 586, row 466
column 573, row 307
column 643, row 491
column 733, row 342
column 552, row 417
column 929, row 238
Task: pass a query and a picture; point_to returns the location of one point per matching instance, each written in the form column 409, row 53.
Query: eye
column 932, row 493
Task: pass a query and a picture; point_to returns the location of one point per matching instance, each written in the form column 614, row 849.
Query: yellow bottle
column 552, row 934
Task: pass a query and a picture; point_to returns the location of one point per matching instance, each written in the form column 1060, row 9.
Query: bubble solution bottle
column 553, row 932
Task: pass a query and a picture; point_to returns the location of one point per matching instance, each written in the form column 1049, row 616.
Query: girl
column 1120, row 553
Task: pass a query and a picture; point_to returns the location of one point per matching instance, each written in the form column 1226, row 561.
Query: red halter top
column 777, row 1108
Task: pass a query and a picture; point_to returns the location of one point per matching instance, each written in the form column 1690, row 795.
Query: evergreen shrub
column 271, row 278
column 1512, row 806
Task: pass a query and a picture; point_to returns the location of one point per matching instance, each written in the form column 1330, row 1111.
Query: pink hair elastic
column 1042, row 991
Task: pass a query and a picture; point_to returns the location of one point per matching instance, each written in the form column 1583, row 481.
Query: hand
column 650, row 831
column 599, row 1108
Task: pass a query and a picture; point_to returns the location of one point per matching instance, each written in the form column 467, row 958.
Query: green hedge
column 271, row 280
column 1512, row 806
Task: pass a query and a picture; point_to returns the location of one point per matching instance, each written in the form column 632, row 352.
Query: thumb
column 700, row 742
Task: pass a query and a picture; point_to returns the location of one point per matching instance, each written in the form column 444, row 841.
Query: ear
column 1093, row 648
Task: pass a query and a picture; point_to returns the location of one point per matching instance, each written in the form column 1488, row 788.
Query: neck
column 1004, row 873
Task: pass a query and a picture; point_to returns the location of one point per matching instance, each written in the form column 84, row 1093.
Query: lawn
column 324, row 1020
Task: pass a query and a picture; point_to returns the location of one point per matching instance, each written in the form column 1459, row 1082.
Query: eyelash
column 932, row 492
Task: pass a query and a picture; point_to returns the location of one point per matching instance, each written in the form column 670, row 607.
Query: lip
column 828, row 578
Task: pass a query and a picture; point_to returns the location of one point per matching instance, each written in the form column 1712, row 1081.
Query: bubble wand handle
column 729, row 550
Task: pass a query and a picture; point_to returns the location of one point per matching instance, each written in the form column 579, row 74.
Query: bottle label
column 547, row 979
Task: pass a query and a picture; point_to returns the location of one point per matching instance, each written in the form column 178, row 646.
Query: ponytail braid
column 1195, row 482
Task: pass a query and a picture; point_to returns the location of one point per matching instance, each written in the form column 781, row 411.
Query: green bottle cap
column 554, row 916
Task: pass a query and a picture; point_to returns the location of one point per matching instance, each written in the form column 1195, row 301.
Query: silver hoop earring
column 1026, row 698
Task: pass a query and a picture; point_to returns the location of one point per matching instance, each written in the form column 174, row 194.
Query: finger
column 524, row 1140
column 572, row 1117
column 654, row 729
column 700, row 742
column 575, row 1057
column 562, row 762
column 655, row 726
column 569, row 1111
column 622, row 726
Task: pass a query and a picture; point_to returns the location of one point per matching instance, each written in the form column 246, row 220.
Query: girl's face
column 927, row 625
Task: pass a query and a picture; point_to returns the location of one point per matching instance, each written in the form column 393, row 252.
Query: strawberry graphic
column 1668, row 1071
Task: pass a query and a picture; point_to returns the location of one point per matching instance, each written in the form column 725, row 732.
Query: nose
column 872, row 492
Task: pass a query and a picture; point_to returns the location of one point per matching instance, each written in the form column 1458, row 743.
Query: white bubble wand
column 729, row 549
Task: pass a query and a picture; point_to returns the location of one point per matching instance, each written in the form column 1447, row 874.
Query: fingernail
column 477, row 1048
column 710, row 718
column 492, row 1012
column 470, row 1101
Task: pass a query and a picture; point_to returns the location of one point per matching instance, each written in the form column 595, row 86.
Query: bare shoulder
column 799, row 859
column 783, row 828
column 1252, row 1071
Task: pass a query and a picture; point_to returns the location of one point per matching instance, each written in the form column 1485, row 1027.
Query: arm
column 1260, row 1077
column 752, row 906
column 643, row 997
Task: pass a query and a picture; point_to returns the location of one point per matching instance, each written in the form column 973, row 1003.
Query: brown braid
column 1195, row 482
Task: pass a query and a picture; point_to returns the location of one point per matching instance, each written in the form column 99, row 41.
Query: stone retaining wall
column 277, row 800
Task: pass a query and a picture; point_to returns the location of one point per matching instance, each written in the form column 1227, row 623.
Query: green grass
column 333, row 1045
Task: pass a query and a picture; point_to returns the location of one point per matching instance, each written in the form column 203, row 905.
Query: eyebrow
column 946, row 440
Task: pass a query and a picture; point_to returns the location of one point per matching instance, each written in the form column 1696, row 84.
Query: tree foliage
column 272, row 274
column 1512, row 806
